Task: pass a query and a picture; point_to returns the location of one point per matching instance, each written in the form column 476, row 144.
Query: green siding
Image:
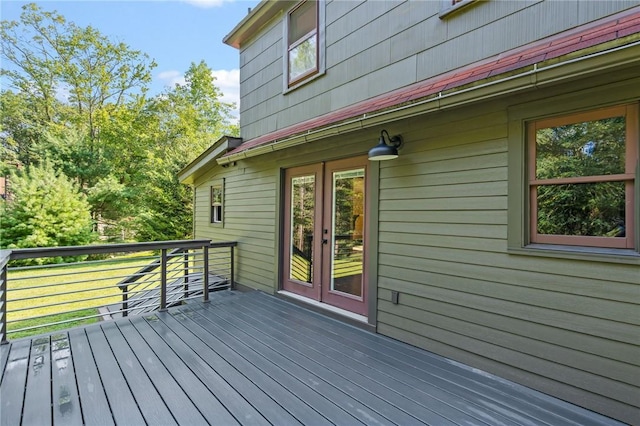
column 566, row 326
column 376, row 46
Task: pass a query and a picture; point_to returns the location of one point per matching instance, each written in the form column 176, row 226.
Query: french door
column 324, row 233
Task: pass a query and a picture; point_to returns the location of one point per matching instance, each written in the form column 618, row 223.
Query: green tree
column 45, row 210
column 185, row 121
column 62, row 76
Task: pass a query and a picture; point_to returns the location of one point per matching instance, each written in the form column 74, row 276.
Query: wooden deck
column 254, row 359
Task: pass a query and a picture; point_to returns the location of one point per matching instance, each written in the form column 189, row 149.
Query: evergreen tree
column 45, row 210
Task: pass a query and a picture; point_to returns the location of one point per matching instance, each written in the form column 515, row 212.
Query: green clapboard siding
column 568, row 327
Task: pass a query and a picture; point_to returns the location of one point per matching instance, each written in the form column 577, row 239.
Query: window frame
column 451, row 6
column 318, row 33
column 216, row 212
column 630, row 113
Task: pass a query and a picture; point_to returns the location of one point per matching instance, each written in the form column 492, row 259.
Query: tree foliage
column 78, row 101
column 593, row 148
column 186, row 120
column 46, row 210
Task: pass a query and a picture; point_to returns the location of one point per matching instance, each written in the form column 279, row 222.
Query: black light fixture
column 387, row 149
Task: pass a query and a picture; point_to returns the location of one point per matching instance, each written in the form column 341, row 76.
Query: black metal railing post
column 3, row 298
column 163, row 280
column 205, row 274
column 231, row 268
column 125, row 300
column 185, row 263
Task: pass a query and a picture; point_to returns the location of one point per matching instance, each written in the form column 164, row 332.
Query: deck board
column 150, row 403
column 208, row 405
column 124, row 408
column 367, row 392
column 396, row 388
column 173, row 395
column 480, row 392
column 39, row 382
column 189, row 351
column 253, row 359
column 340, row 392
column 4, row 357
column 90, row 387
column 65, row 401
column 13, row 383
column 293, row 395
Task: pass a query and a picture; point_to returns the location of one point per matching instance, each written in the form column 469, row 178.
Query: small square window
column 217, row 204
column 581, row 176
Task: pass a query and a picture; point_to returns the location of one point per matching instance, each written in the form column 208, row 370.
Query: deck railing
column 111, row 281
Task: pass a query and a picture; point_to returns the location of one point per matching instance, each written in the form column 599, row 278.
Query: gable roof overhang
column 606, row 44
column 257, row 18
column 203, row 163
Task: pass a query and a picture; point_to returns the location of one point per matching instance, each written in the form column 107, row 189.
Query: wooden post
column 163, row 280
column 205, row 274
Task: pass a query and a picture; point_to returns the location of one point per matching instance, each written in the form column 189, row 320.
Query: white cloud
column 206, row 4
column 171, row 78
column 228, row 81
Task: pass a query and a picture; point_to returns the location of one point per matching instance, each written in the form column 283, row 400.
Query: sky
column 174, row 33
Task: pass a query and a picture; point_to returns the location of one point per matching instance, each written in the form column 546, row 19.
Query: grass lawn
column 65, row 287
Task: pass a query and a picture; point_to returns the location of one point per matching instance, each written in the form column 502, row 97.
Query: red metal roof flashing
column 598, row 32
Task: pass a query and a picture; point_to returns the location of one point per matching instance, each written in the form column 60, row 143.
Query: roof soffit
column 208, row 158
column 259, row 16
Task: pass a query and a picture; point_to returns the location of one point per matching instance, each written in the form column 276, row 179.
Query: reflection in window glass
column 595, row 209
column 302, row 43
column 348, row 231
column 302, row 225
column 591, row 148
column 216, row 204
column 581, row 178
column 302, row 58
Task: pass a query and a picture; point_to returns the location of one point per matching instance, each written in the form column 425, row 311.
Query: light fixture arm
column 395, row 141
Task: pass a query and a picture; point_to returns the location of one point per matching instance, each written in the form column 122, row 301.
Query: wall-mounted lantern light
column 387, row 149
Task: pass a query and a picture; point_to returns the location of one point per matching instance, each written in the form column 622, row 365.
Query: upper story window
column 451, row 6
column 304, row 42
column 581, row 178
column 217, row 205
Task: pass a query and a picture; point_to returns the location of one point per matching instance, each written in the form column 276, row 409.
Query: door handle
column 325, row 241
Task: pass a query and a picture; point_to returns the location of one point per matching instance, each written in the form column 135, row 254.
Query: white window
column 217, row 203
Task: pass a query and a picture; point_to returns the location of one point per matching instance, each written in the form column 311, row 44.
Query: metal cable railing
column 134, row 279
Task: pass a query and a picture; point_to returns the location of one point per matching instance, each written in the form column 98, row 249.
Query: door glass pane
column 302, row 223
column 348, row 231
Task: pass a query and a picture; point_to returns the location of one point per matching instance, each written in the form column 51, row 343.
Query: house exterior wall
column 567, row 326
column 447, row 222
column 373, row 47
column 252, row 203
